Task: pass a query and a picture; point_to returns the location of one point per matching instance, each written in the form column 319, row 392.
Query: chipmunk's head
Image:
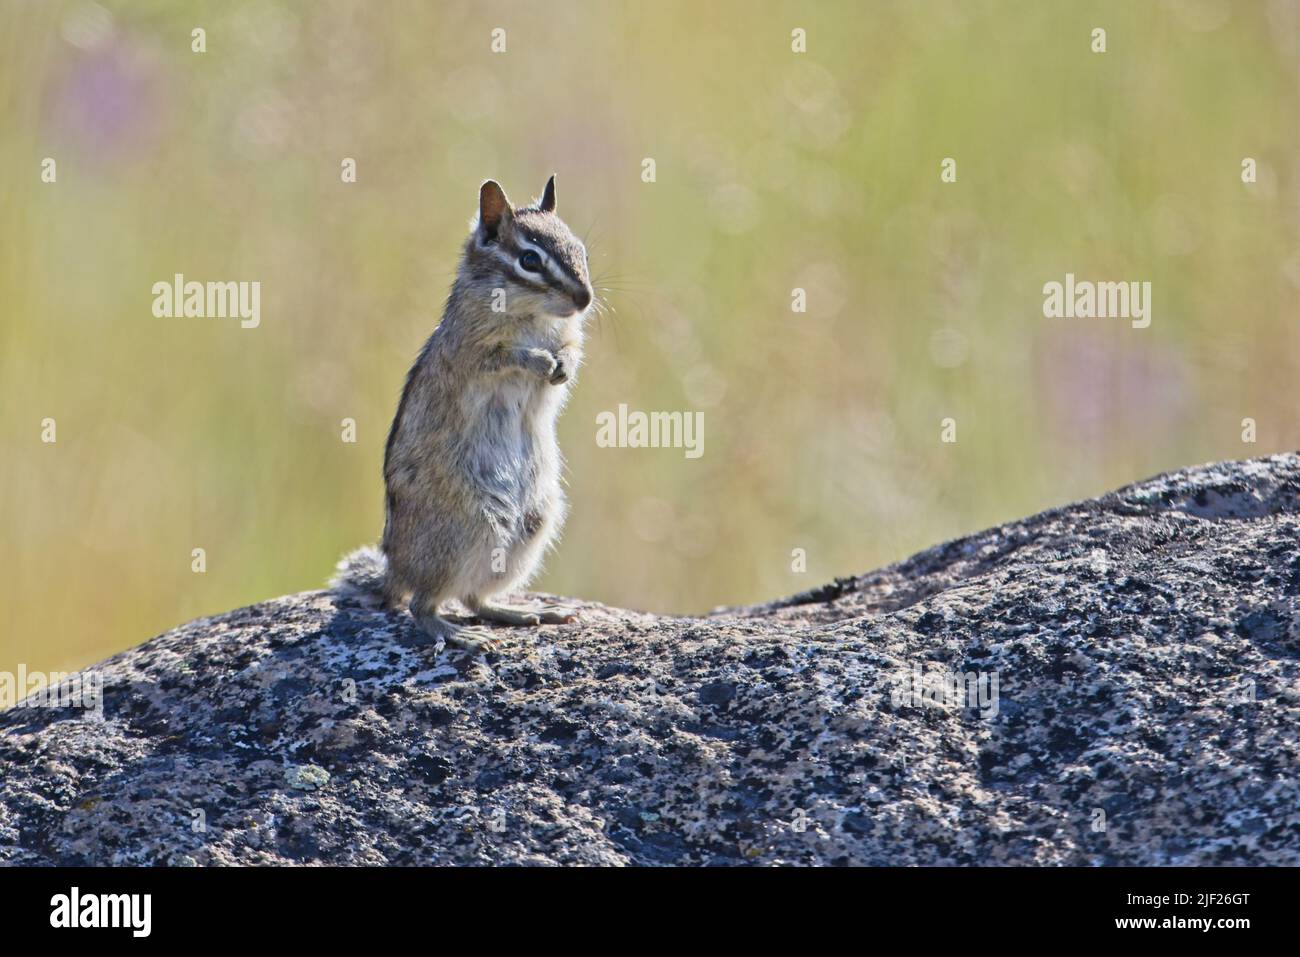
column 527, row 260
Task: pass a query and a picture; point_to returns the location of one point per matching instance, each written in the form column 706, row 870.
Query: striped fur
column 472, row 467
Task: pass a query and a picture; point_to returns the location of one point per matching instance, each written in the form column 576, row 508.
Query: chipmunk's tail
column 363, row 574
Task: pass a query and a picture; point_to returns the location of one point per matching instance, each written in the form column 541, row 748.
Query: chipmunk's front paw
column 541, row 361
column 560, row 374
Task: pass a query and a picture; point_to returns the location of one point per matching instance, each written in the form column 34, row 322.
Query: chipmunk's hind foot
column 435, row 628
column 555, row 615
column 505, row 615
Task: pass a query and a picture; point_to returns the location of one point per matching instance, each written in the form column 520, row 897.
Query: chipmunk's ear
column 493, row 208
column 547, row 204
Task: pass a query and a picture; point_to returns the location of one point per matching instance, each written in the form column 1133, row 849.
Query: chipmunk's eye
column 531, row 261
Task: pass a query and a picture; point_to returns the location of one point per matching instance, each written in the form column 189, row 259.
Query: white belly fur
column 516, row 458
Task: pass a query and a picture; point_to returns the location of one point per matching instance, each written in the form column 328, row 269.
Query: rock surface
column 1144, row 644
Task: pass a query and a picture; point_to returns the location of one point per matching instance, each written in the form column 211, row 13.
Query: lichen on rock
column 1136, row 653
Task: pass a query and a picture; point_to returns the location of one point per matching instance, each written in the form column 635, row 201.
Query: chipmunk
column 472, row 466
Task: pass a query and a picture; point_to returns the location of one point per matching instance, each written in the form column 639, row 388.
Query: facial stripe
column 531, row 278
column 502, row 255
column 552, row 265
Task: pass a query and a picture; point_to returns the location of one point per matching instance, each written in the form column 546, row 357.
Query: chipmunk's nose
column 582, row 298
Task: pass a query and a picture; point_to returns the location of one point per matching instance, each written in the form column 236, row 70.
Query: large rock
column 1144, row 644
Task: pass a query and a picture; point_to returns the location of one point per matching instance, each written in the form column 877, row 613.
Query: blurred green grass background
column 774, row 171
